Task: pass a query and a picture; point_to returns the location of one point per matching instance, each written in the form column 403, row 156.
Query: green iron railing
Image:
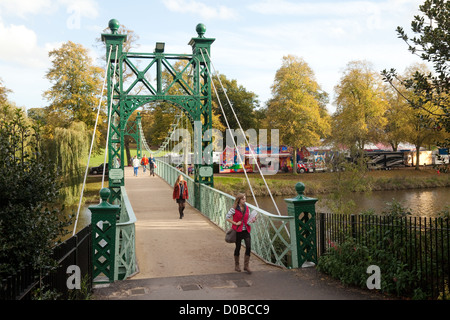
column 273, row 236
column 125, row 264
column 286, row 241
column 113, row 239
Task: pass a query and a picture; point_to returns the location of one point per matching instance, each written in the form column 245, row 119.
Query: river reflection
column 84, row 218
column 420, row 202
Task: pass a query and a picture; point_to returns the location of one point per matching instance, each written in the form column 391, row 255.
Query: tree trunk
column 417, row 157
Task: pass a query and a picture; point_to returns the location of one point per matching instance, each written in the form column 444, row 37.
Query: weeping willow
column 72, row 146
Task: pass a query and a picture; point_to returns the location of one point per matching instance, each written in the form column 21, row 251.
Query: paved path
column 189, row 259
column 167, row 246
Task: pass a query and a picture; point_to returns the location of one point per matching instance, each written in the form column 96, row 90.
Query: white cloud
column 21, row 46
column 373, row 14
column 196, row 7
column 23, row 8
column 85, row 8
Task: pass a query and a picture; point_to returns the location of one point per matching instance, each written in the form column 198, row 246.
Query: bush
column 29, row 226
column 384, row 245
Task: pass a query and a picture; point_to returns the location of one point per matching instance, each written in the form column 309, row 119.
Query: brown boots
column 236, row 264
column 246, row 264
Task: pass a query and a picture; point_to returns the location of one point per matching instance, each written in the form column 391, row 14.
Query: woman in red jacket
column 180, row 194
column 238, row 216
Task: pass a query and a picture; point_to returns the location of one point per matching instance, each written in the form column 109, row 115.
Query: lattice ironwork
column 303, row 210
column 154, row 77
column 103, row 223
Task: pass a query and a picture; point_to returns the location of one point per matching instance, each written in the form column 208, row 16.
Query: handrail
column 271, row 242
column 128, row 209
column 125, row 264
column 266, row 213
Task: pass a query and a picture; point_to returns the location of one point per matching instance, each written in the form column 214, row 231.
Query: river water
column 421, row 202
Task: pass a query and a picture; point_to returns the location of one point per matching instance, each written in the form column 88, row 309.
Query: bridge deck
column 167, row 246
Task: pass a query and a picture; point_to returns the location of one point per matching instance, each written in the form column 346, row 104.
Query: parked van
column 311, row 164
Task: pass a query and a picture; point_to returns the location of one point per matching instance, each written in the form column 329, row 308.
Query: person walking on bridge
column 144, row 163
column 135, row 165
column 151, row 161
column 238, row 216
column 180, row 194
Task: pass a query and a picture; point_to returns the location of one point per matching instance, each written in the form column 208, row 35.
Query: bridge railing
column 125, row 264
column 273, row 236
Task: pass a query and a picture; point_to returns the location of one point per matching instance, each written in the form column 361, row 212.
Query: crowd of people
column 145, row 163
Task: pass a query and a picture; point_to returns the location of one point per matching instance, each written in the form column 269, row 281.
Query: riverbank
column 282, row 184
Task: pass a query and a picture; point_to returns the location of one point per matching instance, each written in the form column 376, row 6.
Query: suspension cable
column 249, row 147
column 92, row 143
column 228, row 125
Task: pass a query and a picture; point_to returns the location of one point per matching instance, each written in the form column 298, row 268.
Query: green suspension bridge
column 123, row 232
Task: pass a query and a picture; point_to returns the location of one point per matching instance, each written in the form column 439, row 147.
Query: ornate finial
column 201, row 29
column 300, row 188
column 114, row 25
column 104, row 194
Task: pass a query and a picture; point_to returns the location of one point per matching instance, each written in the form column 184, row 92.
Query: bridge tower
column 124, row 98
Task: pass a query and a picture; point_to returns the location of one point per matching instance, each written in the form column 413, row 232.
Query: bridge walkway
column 188, row 259
column 168, row 246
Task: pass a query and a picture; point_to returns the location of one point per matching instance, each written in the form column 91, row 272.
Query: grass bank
column 282, row 184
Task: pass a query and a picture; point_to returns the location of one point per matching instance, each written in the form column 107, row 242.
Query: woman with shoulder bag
column 238, row 216
column 180, row 194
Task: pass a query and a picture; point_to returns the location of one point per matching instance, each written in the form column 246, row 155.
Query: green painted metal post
column 303, row 209
column 138, row 135
column 116, row 154
column 201, row 51
column 103, row 224
column 194, row 99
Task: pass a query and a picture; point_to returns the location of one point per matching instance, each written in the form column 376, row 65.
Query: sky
column 252, row 36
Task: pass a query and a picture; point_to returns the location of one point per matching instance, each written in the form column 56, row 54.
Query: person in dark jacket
column 180, row 194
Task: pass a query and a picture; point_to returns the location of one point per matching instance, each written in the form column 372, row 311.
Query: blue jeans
column 135, row 170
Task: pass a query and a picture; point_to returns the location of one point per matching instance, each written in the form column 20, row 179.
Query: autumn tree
column 298, row 105
column 3, row 93
column 360, row 107
column 76, row 85
column 422, row 121
column 396, row 129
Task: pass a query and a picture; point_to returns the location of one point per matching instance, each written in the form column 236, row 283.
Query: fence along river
column 420, row 202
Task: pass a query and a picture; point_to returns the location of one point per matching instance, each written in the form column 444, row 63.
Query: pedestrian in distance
column 239, row 217
column 180, row 194
column 152, row 165
column 144, row 163
column 136, row 165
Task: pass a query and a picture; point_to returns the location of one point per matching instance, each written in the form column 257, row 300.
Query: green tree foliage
column 298, row 105
column 244, row 103
column 29, row 226
column 421, row 123
column 76, row 86
column 360, row 107
column 396, row 129
column 431, row 42
column 3, row 93
column 72, row 146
